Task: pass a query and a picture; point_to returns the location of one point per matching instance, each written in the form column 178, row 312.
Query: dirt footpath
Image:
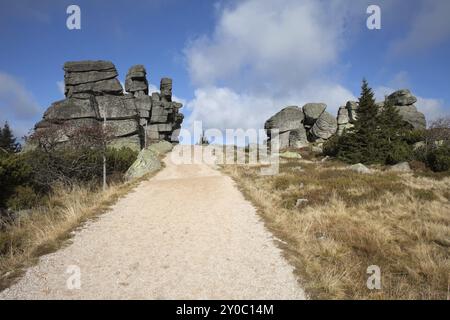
column 187, row 233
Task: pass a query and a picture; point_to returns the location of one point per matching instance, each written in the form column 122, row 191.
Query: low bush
column 439, row 159
column 14, row 171
column 24, row 197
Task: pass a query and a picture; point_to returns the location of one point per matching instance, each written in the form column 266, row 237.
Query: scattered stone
column 146, row 162
column 401, row 167
column 360, row 168
column 300, row 202
column 290, row 155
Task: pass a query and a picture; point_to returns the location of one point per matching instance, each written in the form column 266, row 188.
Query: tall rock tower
column 93, row 94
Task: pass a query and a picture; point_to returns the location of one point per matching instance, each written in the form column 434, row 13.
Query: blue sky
column 234, row 63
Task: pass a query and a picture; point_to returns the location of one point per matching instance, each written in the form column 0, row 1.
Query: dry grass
column 400, row 222
column 48, row 228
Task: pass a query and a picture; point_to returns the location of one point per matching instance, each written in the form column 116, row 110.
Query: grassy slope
column 399, row 222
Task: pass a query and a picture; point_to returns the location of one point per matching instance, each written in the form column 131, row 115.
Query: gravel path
column 187, row 233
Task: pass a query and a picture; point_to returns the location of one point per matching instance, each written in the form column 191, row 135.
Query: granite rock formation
column 94, row 94
column 300, row 126
column 313, row 124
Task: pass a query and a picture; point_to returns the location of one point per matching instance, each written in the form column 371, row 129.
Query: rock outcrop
column 300, row 126
column 93, row 94
column 312, row 123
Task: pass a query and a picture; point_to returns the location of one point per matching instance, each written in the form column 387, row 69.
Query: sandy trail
column 187, row 233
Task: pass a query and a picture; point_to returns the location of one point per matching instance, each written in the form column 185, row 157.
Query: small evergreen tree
column 393, row 135
column 362, row 143
column 7, row 140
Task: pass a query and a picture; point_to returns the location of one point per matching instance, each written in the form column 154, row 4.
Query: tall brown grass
column 45, row 229
column 399, row 222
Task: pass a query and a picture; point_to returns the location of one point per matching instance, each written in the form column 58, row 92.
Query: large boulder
column 121, row 128
column 110, row 86
column 161, row 147
column 325, row 126
column 166, row 89
column 146, row 162
column 402, row 97
column 88, row 65
column 290, row 118
column 343, row 120
column 74, row 78
column 94, row 93
column 412, row 116
column 116, row 107
column 136, row 80
column 312, row 112
column 298, row 138
column 70, row 109
column 352, row 106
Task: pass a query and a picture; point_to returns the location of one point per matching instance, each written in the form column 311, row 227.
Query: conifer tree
column 392, row 134
column 362, row 143
column 7, row 140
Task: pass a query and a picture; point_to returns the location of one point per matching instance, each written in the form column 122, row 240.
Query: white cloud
column 17, row 105
column 61, row 87
column 224, row 108
column 264, row 55
column 429, row 28
column 272, row 44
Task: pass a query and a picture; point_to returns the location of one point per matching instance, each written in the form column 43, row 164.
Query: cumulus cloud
column 268, row 44
column 263, row 55
column 429, row 28
column 17, row 104
column 224, row 108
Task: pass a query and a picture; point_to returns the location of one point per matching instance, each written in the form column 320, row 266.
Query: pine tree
column 362, row 143
column 392, row 134
column 7, row 140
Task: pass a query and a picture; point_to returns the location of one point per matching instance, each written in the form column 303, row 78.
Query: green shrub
column 439, row 159
column 413, row 136
column 398, row 151
column 24, row 197
column 119, row 160
column 331, row 146
column 14, row 171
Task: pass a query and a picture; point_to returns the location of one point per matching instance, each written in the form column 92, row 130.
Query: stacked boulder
column 313, row 124
column 136, row 81
column 297, row 127
column 165, row 120
column 94, row 94
column 346, row 116
column 404, row 101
